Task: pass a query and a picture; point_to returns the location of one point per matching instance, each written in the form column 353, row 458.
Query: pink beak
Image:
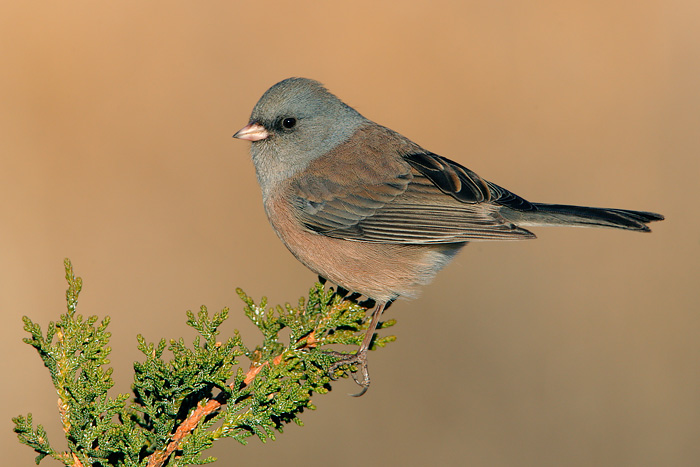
column 252, row 132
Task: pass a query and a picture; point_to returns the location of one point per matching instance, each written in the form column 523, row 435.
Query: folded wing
column 388, row 190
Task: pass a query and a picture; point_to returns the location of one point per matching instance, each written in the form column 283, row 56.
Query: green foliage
column 181, row 405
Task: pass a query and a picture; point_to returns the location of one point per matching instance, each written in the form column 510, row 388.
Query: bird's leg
column 359, row 358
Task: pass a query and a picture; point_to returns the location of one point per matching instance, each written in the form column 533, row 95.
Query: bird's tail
column 581, row 216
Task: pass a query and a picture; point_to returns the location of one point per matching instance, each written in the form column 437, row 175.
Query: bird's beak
column 252, row 132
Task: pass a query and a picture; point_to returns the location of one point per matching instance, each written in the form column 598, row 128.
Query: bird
column 371, row 211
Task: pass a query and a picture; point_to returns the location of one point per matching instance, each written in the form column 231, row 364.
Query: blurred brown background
column 579, row 348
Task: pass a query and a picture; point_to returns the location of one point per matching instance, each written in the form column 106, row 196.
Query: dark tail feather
column 580, row 216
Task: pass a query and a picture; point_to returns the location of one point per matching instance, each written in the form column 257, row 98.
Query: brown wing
column 380, row 187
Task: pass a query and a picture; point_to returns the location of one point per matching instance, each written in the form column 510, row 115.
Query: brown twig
column 252, row 373
column 76, row 461
column 158, row 458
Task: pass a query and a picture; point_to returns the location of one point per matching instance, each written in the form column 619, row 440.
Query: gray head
column 296, row 121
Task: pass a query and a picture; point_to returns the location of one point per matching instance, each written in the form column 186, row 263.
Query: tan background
column 579, row 348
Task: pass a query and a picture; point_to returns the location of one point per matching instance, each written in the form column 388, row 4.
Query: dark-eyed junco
column 373, row 212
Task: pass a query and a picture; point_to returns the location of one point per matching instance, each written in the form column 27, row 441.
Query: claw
column 359, row 359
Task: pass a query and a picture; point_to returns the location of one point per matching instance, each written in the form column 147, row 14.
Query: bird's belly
column 381, row 271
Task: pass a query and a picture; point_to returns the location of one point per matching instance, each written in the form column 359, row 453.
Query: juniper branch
column 183, row 404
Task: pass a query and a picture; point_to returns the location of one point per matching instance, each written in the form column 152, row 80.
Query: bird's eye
column 289, row 122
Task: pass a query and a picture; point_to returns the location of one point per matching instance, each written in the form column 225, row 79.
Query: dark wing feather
column 451, row 178
column 464, row 185
column 509, row 199
column 388, row 191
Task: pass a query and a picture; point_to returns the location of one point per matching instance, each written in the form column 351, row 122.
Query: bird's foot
column 359, row 359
